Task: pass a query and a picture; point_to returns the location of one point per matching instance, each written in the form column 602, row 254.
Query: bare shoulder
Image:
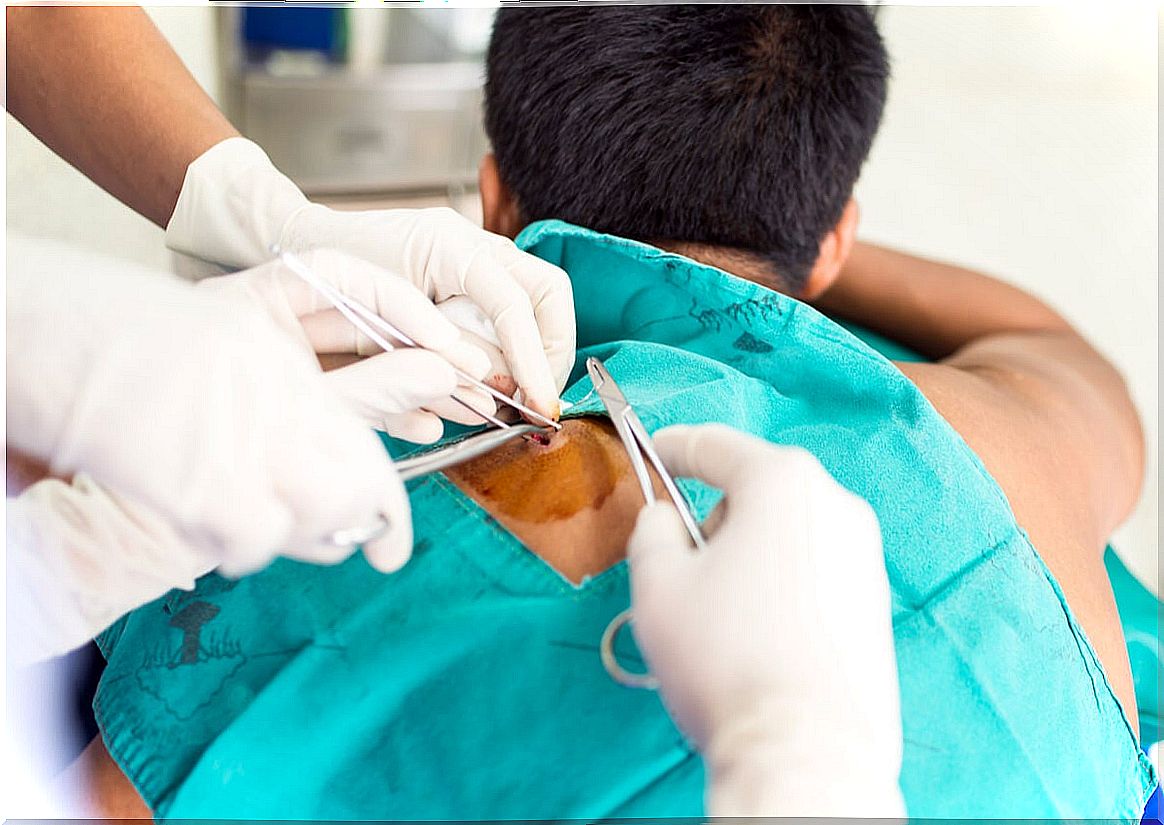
column 1054, row 428
column 1052, row 420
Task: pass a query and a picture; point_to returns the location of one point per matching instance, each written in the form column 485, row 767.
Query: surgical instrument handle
column 643, row 437
column 454, row 454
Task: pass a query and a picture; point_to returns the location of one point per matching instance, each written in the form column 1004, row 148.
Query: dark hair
column 742, row 126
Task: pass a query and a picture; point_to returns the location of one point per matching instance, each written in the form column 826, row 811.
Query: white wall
column 1022, row 141
column 1018, row 140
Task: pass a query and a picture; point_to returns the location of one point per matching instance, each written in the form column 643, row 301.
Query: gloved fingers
column 508, row 307
column 246, row 524
column 398, row 301
column 765, row 485
column 384, row 386
column 269, row 523
column 743, row 466
column 499, row 376
column 391, row 383
column 387, row 294
column 388, row 552
column 723, row 457
column 319, row 552
column 658, row 543
column 329, row 332
column 477, row 329
column 268, row 287
column 462, row 406
column 418, row 426
column 391, row 527
column 852, row 531
column 660, row 555
column 552, row 297
column 333, row 474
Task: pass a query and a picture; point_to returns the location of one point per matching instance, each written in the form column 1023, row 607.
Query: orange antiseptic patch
column 529, row 481
column 573, row 501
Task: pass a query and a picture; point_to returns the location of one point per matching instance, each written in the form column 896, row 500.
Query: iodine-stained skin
column 573, row 470
column 572, row 501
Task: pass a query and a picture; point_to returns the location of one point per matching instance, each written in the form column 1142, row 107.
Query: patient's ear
column 499, row 209
column 834, row 251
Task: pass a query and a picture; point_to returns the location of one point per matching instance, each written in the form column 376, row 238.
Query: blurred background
column 1020, row 141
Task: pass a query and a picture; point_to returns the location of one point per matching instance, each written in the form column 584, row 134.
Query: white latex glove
column 234, row 204
column 193, row 406
column 774, row 647
column 80, row 557
column 476, row 329
column 388, row 389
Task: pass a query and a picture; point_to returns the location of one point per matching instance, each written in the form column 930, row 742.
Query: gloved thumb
column 714, row 453
column 658, row 545
column 389, row 552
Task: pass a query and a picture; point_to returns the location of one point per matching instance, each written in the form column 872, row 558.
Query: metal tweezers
column 454, row 454
column 372, row 325
column 365, row 319
column 638, row 444
column 436, row 461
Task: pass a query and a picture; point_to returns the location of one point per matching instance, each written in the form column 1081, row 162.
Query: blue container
column 307, row 29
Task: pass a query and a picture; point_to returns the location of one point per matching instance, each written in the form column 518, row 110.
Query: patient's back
column 370, row 691
column 573, row 502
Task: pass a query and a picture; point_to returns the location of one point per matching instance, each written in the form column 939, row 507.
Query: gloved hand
column 387, row 389
column 774, row 647
column 476, row 329
column 234, row 203
column 195, row 407
column 79, row 557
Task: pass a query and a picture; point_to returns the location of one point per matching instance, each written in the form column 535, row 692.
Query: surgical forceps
column 371, row 325
column 461, row 451
column 638, row 444
column 364, row 320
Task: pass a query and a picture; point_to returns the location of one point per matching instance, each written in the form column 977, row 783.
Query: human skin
column 1050, row 418
column 102, row 88
column 1047, row 415
column 93, row 787
column 22, row 471
column 572, row 501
